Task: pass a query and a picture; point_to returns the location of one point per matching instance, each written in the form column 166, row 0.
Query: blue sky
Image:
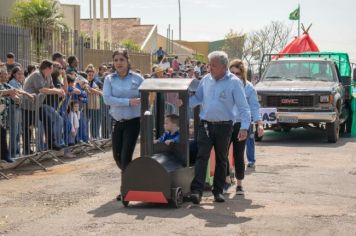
column 334, row 21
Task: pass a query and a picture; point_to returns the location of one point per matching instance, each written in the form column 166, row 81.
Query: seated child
column 171, row 125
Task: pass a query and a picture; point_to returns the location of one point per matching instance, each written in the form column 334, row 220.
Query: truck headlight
column 324, row 99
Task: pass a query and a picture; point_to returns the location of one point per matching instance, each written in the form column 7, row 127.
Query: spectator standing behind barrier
column 100, row 76
column 11, row 62
column 122, row 95
column 40, row 82
column 6, row 95
column 16, row 81
column 94, row 116
column 30, row 69
column 217, row 93
column 72, row 90
column 72, row 68
column 237, row 68
column 82, row 85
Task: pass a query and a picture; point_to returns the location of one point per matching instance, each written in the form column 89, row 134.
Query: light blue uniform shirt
column 117, row 93
column 218, row 98
column 252, row 100
column 16, row 84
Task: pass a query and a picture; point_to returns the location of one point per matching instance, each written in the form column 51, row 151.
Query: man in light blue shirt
column 217, row 93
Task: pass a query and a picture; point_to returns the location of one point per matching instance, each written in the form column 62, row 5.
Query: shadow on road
column 214, row 214
column 302, row 137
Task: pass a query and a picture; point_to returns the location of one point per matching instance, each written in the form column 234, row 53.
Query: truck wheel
column 333, row 130
column 349, row 124
column 286, row 129
column 177, row 197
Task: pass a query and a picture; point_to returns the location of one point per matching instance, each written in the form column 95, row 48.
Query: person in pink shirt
column 175, row 64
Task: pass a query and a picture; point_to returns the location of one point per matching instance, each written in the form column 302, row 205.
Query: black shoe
column 219, row 197
column 118, row 197
column 195, row 197
column 9, row 160
column 56, row 147
column 240, row 190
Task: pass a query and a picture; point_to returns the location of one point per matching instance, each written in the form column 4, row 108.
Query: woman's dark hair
column 125, row 54
column 30, row 69
column 14, row 71
column 71, row 59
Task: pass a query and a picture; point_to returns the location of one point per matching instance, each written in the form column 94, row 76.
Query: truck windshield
column 299, row 70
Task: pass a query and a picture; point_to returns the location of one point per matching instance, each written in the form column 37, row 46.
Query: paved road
column 301, row 186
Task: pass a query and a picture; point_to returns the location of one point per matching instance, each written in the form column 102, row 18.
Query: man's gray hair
column 222, row 56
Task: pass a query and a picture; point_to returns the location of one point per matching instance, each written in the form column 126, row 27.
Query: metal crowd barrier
column 45, row 127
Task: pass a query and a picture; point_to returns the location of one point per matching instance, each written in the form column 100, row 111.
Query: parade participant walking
column 217, row 93
column 122, row 95
column 237, row 68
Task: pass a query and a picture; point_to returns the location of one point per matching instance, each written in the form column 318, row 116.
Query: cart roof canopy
column 169, row 85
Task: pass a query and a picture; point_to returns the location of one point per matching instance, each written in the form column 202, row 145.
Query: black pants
column 239, row 151
column 217, row 136
column 29, row 119
column 4, row 151
column 124, row 138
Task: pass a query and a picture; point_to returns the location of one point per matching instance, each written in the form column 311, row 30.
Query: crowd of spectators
column 51, row 106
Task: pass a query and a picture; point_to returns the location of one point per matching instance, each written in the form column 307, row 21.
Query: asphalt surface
column 301, row 185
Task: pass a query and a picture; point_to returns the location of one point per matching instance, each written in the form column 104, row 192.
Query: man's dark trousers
column 211, row 135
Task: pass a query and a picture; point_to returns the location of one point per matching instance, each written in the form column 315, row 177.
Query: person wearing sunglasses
column 121, row 93
column 237, row 68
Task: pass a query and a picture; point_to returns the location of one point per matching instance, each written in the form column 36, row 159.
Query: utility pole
column 109, row 24
column 180, row 22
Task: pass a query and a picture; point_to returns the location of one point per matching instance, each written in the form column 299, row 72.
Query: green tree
column 40, row 13
column 43, row 17
column 233, row 44
column 130, row 45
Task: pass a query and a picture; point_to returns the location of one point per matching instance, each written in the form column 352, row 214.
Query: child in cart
column 171, row 135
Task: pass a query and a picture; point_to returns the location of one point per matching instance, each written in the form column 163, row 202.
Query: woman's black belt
column 228, row 122
column 124, row 120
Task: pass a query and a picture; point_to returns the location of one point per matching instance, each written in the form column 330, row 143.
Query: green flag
column 295, row 14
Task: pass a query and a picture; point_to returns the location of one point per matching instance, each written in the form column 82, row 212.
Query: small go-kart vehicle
column 163, row 173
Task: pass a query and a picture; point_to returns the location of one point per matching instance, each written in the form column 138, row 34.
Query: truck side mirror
column 354, row 75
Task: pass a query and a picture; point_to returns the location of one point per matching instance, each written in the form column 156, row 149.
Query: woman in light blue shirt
column 121, row 93
column 237, row 68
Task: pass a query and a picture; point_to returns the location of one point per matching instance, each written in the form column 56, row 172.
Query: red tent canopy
column 302, row 44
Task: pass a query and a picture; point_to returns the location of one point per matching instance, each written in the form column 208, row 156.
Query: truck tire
column 333, row 130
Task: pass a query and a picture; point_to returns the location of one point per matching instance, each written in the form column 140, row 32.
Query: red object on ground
column 145, row 196
column 302, row 44
column 212, row 160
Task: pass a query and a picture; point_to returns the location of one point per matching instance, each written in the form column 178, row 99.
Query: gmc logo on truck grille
column 289, row 101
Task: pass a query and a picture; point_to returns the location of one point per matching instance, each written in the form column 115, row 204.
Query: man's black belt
column 228, row 122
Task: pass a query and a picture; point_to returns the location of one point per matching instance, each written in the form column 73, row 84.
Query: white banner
column 269, row 115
